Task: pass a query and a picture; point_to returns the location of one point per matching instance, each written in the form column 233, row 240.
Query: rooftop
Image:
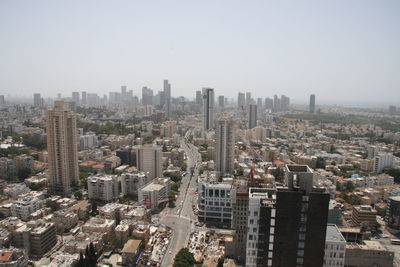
column 131, row 246
column 333, row 234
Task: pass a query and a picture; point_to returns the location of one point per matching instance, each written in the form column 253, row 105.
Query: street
column 181, row 218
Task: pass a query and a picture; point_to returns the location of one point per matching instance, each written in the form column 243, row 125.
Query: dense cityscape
column 158, row 180
column 204, row 133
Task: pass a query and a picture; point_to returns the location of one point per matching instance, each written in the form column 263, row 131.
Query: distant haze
column 342, row 51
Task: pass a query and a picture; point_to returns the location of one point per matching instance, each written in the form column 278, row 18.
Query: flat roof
column 333, row 234
column 131, row 246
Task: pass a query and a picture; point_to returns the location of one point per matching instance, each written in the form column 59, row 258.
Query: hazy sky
column 342, row 50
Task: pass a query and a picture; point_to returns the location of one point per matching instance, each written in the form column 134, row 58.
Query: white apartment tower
column 225, row 146
column 62, row 148
column 208, row 108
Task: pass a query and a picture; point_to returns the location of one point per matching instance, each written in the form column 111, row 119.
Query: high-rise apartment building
column 208, row 108
column 241, row 100
column 225, row 146
column 103, row 187
column 312, row 103
column 252, row 116
column 277, row 103
column 382, row 161
column 167, row 97
column 62, row 148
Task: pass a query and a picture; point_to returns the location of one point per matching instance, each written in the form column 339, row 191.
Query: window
column 256, row 213
column 251, row 221
column 222, row 193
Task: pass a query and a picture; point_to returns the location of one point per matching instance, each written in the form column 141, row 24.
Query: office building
column 252, row 116
column 75, row 97
column 261, row 227
column 149, row 160
column 368, row 254
column 208, row 109
column 312, row 104
column 259, row 103
column 382, row 161
column 103, row 187
column 241, row 100
column 285, row 101
column 154, row 194
column 167, row 96
column 269, row 103
column 84, row 98
column 62, row 148
column 301, row 219
column 147, row 96
column 2, row 101
column 363, row 214
column 248, row 99
column 225, row 146
column 277, row 104
column 393, row 213
column 221, row 101
column 199, row 98
column 335, row 247
column 38, row 100
column 215, row 203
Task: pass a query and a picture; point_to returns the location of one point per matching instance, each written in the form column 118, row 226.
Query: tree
column 164, row 148
column 395, row 173
column 52, row 205
column 78, row 195
column 220, row 262
column 278, row 174
column 349, row 186
column 184, row 258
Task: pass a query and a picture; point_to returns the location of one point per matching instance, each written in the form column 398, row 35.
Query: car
column 170, row 251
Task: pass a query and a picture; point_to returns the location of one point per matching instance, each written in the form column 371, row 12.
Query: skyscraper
column 241, row 100
column 199, row 98
column 62, row 148
column 147, row 96
column 225, row 146
column 2, row 100
column 37, row 100
column 75, row 97
column 221, row 101
column 252, row 116
column 208, row 108
column 84, row 98
column 167, row 97
column 287, row 225
column 312, row 103
column 277, row 103
column 248, row 99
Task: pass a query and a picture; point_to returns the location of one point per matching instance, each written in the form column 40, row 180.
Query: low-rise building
column 23, row 207
column 363, row 214
column 132, row 182
column 13, row 258
column 368, row 254
column 155, row 193
column 99, row 225
column 131, row 251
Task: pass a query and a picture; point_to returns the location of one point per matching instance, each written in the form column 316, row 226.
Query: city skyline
column 295, row 49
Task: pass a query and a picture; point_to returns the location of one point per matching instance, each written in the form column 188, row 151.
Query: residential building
column 132, row 182
column 62, row 148
column 23, row 207
column 155, row 193
column 131, row 252
column 221, row 101
column 241, row 100
column 382, row 161
column 13, row 257
column 393, row 213
column 103, row 187
column 167, row 95
column 199, row 98
column 149, row 160
column 225, row 146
